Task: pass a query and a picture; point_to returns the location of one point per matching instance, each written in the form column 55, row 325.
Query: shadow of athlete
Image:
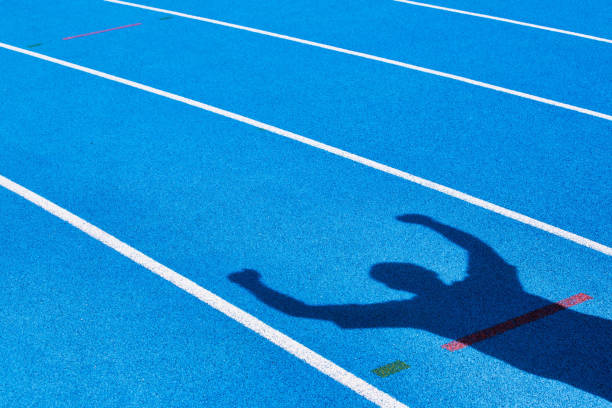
column 568, row 346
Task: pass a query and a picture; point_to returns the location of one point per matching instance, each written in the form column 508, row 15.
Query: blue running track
column 359, row 266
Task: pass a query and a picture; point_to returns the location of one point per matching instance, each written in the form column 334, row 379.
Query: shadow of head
column 407, row 277
column 418, row 219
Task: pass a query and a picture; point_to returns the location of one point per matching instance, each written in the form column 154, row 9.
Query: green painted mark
column 166, row 18
column 34, row 45
column 389, row 369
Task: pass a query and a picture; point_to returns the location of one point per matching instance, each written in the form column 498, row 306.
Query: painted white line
column 333, row 150
column 506, row 20
column 379, row 59
column 283, row 341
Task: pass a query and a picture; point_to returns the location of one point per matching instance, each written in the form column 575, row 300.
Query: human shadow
column 571, row 347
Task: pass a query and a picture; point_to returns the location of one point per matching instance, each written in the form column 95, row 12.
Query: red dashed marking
column 101, row 31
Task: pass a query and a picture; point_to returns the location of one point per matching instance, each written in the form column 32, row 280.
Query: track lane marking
column 506, row 20
column 516, row 322
column 570, row 236
column 101, row 31
column 379, row 59
column 276, row 337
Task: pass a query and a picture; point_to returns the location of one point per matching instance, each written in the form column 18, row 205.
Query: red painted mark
column 101, row 31
column 516, row 322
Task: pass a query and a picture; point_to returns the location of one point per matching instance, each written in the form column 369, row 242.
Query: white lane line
column 283, row 341
column 333, row 150
column 506, row 20
column 379, row 59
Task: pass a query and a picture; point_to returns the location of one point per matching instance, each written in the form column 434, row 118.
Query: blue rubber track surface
column 314, row 245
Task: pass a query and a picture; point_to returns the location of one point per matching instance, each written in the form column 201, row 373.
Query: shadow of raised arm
column 251, row 281
column 484, row 262
column 346, row 316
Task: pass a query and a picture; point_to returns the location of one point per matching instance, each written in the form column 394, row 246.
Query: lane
column 420, row 69
column 505, row 20
column 483, row 144
column 211, row 198
column 81, row 325
column 567, row 69
column 594, row 17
